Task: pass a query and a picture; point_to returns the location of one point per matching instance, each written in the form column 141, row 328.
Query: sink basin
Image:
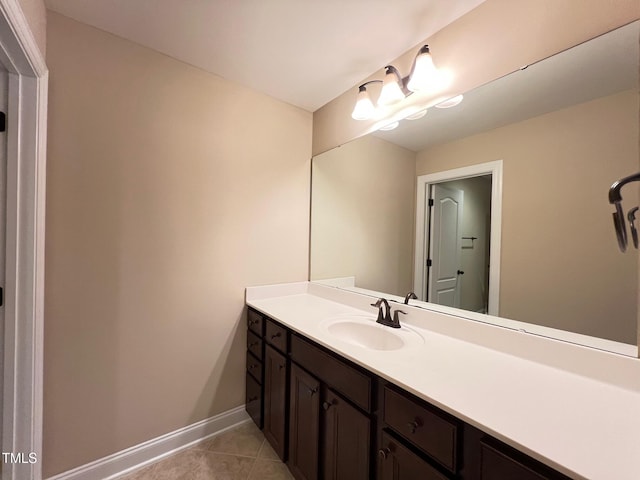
column 364, row 332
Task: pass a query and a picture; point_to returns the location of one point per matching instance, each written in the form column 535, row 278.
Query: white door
column 445, row 245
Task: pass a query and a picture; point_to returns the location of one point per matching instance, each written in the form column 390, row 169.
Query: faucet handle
column 378, row 305
column 396, row 318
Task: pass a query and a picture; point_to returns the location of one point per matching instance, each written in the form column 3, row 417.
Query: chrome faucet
column 384, row 314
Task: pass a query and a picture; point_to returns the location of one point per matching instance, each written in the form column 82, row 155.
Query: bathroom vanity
column 339, row 396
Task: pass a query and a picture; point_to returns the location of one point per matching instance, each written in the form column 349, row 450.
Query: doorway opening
column 458, row 225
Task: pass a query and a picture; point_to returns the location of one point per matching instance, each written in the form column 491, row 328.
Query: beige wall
column 363, row 214
column 497, row 37
column 169, row 190
column 560, row 263
column 36, row 15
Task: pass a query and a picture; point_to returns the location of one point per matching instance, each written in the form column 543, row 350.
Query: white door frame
column 24, row 287
column 421, row 245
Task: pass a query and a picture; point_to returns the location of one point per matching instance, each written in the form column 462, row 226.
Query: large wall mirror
column 507, row 191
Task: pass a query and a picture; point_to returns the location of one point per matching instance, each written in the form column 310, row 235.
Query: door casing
column 421, row 244
column 25, row 221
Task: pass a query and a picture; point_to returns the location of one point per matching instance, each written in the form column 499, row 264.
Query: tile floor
column 238, row 454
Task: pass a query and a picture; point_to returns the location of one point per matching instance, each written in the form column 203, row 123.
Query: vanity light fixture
column 396, row 88
column 452, row 102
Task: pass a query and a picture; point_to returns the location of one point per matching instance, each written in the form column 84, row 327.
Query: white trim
column 493, row 168
column 24, row 284
column 155, row 449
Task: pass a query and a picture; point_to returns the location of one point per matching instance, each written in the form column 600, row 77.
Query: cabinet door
column 275, row 399
column 399, row 463
column 304, row 421
column 346, row 434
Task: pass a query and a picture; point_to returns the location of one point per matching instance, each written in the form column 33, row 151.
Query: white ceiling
column 304, row 52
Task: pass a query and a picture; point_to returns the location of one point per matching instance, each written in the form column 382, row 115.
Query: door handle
column 460, row 272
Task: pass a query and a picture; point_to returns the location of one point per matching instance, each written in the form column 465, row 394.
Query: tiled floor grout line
column 253, row 467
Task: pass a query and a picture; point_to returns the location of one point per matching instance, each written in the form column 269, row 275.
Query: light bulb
column 364, row 109
column 424, row 72
column 391, row 92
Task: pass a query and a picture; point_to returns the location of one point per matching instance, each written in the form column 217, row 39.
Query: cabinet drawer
column 253, row 400
column 255, row 322
column 345, row 379
column 254, row 367
column 254, row 344
column 500, row 462
column 427, row 428
column 396, row 462
column 276, row 335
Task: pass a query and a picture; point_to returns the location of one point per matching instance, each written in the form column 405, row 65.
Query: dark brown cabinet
column 304, row 420
column 346, row 440
column 275, row 400
column 327, row 395
column 396, row 462
column 499, row 461
column 432, row 431
column 254, row 366
column 253, row 400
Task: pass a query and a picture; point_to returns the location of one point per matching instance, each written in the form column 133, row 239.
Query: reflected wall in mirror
column 565, row 129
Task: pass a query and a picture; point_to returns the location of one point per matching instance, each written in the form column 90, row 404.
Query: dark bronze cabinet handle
column 326, row 405
column 281, row 366
column 253, row 399
column 253, row 344
column 251, row 367
column 253, row 321
column 313, row 390
column 275, row 335
column 384, row 453
column 414, row 425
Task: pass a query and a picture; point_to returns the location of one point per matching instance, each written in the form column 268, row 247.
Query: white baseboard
column 135, row 457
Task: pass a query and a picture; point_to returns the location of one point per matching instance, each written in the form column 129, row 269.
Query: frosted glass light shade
column 364, row 109
column 391, row 92
column 390, row 126
column 416, row 116
column 452, row 102
column 425, row 73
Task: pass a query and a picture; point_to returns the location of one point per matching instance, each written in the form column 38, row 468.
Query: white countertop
column 573, row 408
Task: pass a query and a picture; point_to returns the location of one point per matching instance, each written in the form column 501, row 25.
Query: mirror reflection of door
column 445, row 245
column 458, row 233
